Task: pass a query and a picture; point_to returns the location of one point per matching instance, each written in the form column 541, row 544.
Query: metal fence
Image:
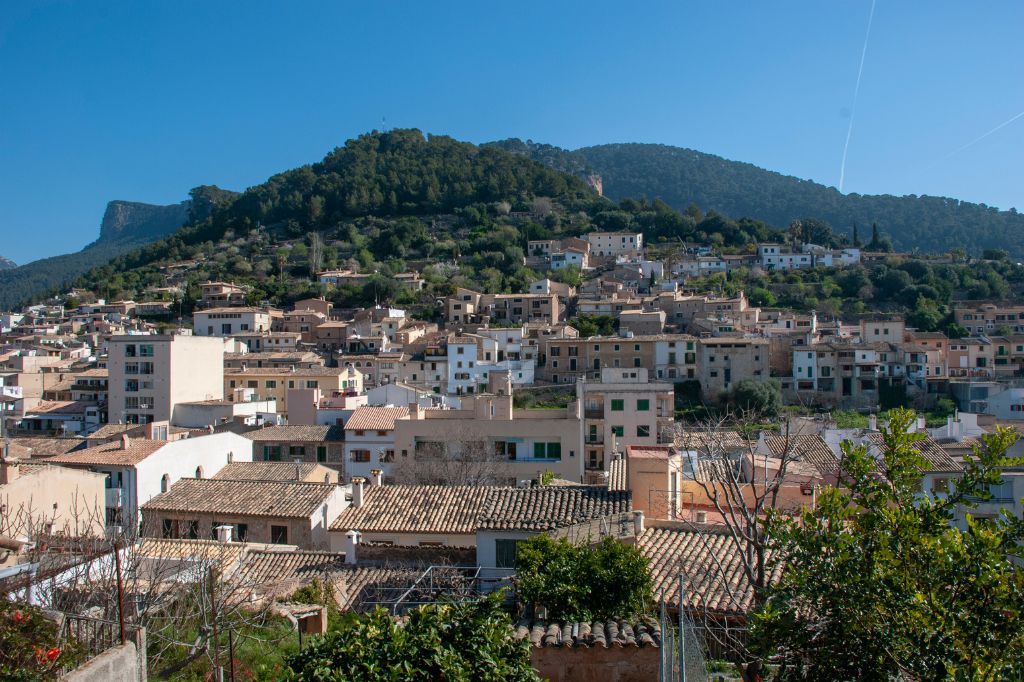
column 435, row 584
column 682, row 647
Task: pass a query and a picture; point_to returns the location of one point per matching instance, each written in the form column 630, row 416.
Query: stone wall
column 388, row 554
column 579, row 664
column 120, row 664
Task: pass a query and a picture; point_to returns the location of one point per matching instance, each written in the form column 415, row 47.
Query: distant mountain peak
column 7, row 263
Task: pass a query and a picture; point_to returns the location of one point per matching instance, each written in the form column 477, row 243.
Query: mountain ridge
column 680, row 176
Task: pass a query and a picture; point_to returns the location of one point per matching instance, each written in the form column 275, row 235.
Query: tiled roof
column 48, row 447
column 645, row 633
column 617, row 475
column 277, row 499
column 937, row 458
column 269, row 569
column 266, row 471
column 547, row 508
column 297, row 432
column 711, row 565
column 713, row 441
column 115, row 453
column 416, row 509
column 367, row 418
column 59, row 407
column 111, row 430
column 809, row 448
column 649, row 451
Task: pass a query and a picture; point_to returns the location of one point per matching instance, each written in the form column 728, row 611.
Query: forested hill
column 381, row 198
column 680, row 176
column 126, row 225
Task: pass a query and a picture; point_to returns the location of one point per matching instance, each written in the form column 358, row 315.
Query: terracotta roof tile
column 277, row 499
column 48, row 446
column 547, row 508
column 711, row 565
column 808, row 448
column 415, row 509
column 937, row 458
column 116, row 453
column 268, row 471
column 370, row 418
column 617, row 475
column 599, row 634
column 297, row 432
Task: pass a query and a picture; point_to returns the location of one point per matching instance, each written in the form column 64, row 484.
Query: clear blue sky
column 142, row 101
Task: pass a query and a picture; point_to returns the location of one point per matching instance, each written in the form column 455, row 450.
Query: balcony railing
column 593, row 413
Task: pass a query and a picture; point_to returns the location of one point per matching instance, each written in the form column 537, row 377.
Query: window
column 618, row 431
column 191, row 529
column 643, row 405
column 312, row 384
column 321, row 453
column 271, row 384
column 145, row 350
column 296, row 451
column 643, row 431
column 618, row 405
column 129, row 351
column 272, row 453
column 505, row 553
column 241, row 532
column 166, row 528
column 547, row 451
column 279, row 535
column 360, row 455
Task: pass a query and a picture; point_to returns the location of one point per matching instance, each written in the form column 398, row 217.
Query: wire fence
column 682, row 645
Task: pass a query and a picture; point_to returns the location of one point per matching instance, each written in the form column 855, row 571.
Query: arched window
column 199, row 472
column 165, row 483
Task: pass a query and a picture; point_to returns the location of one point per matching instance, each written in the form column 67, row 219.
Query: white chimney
column 351, row 540
column 224, row 533
column 922, row 424
column 872, row 423
column 125, row 441
column 357, row 491
column 701, row 516
column 638, row 522
column 376, row 478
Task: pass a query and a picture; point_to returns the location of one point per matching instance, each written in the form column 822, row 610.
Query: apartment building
column 214, row 294
column 320, row 444
column 666, row 356
column 472, row 307
column 521, row 444
column 622, row 410
column 985, row 318
column 370, row 435
column 304, row 322
column 725, row 360
column 148, row 375
column 273, row 383
column 846, row 374
column 971, row 358
column 1008, row 356
column 611, row 244
column 472, row 358
column 229, row 321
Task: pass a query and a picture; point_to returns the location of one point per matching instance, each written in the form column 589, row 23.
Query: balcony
column 593, row 413
column 114, row 498
column 595, row 439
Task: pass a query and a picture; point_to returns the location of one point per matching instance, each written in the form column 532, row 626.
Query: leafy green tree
column 595, row 325
column 462, row 642
column 880, row 583
column 760, row 398
column 583, row 582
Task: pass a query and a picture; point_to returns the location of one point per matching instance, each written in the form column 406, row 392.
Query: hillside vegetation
column 681, row 176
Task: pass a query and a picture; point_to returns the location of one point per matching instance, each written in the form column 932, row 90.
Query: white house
column 231, row 321
column 139, row 469
column 370, row 440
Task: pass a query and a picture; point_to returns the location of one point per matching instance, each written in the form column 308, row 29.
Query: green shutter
column 538, row 450
column 643, row 405
column 618, row 405
column 554, row 451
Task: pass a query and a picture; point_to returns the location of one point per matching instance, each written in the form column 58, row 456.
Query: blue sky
column 142, row 101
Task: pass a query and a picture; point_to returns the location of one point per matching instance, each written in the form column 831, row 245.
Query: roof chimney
column 638, row 522
column 872, row 423
column 351, row 540
column 125, row 441
column 376, row 478
column 10, row 469
column 357, row 491
column 224, row 533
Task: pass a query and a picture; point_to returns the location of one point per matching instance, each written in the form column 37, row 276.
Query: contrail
column 856, row 91
column 982, row 137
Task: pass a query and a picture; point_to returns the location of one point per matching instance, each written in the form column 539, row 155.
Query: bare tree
column 316, row 253
column 741, row 484
column 187, row 594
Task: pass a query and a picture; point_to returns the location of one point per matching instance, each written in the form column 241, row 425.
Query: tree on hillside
column 756, row 398
column 881, row 583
